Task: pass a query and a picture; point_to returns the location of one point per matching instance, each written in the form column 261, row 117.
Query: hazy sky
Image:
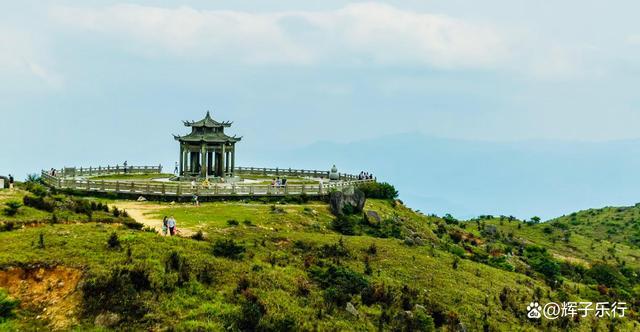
column 102, row 81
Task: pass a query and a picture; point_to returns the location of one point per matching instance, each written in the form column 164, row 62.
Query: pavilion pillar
column 222, row 161
column 203, row 160
column 181, row 159
column 226, row 165
column 233, row 160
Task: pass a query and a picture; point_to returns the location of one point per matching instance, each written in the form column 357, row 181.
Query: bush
column 12, row 208
column 132, row 224
column 113, row 242
column 175, row 263
column 39, row 202
column 232, row 222
column 344, row 225
column 228, row 248
column 339, row 283
column 7, row 305
column 381, row 190
column 198, row 236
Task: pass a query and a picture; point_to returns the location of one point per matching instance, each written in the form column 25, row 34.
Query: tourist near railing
column 181, row 189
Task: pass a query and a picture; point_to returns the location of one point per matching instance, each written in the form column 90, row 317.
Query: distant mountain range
column 471, row 178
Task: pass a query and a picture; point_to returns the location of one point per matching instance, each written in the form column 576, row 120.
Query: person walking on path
column 171, row 223
column 175, row 170
column 165, row 226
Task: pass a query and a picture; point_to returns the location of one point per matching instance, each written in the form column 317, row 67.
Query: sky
column 96, row 82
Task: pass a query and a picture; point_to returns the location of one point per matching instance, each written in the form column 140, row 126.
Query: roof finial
column 208, row 116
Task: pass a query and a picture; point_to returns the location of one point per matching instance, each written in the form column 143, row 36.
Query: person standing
column 171, row 223
column 10, row 182
column 175, row 170
column 125, row 167
column 165, row 226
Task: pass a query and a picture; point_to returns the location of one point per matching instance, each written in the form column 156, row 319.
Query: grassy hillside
column 295, row 266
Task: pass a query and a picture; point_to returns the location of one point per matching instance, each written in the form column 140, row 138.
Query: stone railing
column 106, row 170
column 266, row 171
column 63, row 180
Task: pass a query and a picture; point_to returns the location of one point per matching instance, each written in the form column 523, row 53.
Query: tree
column 535, row 220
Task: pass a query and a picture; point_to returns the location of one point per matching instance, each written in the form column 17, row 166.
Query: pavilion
column 207, row 150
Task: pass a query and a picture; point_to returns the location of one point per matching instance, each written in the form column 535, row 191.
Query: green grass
column 284, row 244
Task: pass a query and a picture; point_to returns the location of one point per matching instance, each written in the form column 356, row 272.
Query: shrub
column 381, row 190
column 122, row 291
column 178, row 264
column 336, row 250
column 343, row 225
column 541, row 261
column 39, row 202
column 113, row 242
column 339, row 283
column 12, row 208
column 132, row 224
column 7, row 305
column 608, row 275
column 198, row 236
column 232, row 222
column 228, row 248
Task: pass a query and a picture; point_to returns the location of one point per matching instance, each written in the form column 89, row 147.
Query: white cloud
column 22, row 57
column 365, row 33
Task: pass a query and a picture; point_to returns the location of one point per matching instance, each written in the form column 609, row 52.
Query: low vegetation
column 292, row 265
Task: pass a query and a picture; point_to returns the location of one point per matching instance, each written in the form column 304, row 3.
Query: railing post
column 163, row 189
column 117, row 186
column 303, row 189
column 250, row 190
column 132, row 188
column 233, row 189
column 148, row 190
column 179, row 190
column 88, row 186
column 90, row 169
column 102, row 186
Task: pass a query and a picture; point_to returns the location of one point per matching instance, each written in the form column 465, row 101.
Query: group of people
column 365, row 176
column 169, row 225
column 52, row 172
column 278, row 182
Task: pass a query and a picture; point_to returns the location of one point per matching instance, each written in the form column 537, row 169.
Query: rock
column 354, row 198
column 372, row 217
column 141, row 199
column 351, row 309
column 107, row 319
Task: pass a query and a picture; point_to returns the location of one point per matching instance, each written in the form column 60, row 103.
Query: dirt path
column 141, row 212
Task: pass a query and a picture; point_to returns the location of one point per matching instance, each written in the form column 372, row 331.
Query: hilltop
column 77, row 262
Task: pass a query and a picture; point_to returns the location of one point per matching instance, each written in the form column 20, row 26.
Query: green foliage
column 228, row 248
column 541, row 261
column 7, row 306
column 12, row 208
column 608, row 275
column 379, row 190
column 232, row 222
column 339, row 283
column 39, row 202
column 113, row 242
column 344, row 225
column 198, row 236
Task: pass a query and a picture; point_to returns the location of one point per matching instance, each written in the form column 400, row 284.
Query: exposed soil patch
column 50, row 292
column 142, row 212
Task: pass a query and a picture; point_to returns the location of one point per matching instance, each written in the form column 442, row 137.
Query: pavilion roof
column 209, row 137
column 207, row 122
